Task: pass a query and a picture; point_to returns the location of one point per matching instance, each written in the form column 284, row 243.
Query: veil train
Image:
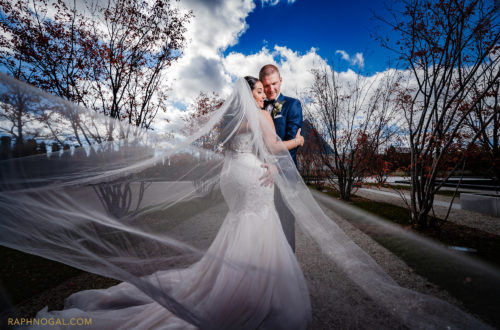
column 133, row 205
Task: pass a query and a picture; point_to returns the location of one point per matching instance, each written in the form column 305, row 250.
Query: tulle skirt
column 249, row 277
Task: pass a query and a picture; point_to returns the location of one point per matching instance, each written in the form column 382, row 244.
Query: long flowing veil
column 128, row 203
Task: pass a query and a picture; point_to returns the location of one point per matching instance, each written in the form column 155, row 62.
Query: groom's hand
column 267, row 178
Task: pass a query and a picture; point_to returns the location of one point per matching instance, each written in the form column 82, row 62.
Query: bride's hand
column 299, row 139
column 267, row 178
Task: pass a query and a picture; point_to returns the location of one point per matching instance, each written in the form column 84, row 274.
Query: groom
column 287, row 116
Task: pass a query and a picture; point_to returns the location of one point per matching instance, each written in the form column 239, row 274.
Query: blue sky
column 327, row 26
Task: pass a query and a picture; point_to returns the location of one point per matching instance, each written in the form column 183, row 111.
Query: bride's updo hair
column 251, row 81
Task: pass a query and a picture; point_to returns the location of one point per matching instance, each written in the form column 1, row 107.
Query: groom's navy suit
column 287, row 123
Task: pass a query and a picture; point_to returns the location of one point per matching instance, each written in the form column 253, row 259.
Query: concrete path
column 437, row 202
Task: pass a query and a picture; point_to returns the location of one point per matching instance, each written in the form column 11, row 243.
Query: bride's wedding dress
column 249, row 277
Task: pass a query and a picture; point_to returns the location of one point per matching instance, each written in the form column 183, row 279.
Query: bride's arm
column 274, row 144
column 296, row 142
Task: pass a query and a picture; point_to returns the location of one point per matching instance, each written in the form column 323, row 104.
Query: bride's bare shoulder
column 265, row 114
column 267, row 121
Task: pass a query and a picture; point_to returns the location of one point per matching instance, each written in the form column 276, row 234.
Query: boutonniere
column 278, row 105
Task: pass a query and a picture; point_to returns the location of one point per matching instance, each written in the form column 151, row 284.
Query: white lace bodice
column 242, row 143
column 240, row 178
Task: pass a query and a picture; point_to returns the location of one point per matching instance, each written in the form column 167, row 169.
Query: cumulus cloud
column 295, row 69
column 357, row 59
column 216, row 25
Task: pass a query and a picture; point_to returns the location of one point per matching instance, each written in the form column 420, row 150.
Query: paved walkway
column 437, row 202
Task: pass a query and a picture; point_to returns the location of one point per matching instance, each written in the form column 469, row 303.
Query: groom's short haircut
column 268, row 70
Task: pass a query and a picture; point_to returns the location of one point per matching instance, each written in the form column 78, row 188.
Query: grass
column 396, row 214
column 449, row 233
column 449, row 193
column 399, row 215
column 478, row 291
column 24, row 275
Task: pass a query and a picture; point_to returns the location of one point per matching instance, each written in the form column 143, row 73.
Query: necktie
column 267, row 102
column 268, row 105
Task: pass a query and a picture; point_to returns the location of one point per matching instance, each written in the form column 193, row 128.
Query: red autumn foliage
column 107, row 57
column 200, row 110
column 354, row 120
column 448, row 47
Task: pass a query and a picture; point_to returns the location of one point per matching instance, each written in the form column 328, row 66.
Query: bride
column 137, row 205
column 266, row 289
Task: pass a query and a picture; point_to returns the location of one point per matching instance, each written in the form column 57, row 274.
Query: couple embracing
column 286, row 116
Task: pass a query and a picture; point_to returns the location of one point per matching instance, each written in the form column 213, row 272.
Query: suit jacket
column 288, row 122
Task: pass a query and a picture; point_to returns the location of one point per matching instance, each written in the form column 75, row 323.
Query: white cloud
column 296, row 69
column 357, row 59
column 216, row 25
column 240, row 65
column 273, row 2
column 344, row 55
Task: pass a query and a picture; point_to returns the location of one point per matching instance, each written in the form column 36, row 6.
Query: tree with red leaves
column 107, row 56
column 380, row 169
column 200, row 111
column 354, row 119
column 447, row 47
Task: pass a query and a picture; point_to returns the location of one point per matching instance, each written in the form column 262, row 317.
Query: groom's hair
column 268, row 70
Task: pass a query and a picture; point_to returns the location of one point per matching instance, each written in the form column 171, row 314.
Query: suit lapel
column 281, row 99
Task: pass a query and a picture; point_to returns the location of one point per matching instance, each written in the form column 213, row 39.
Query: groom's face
column 272, row 85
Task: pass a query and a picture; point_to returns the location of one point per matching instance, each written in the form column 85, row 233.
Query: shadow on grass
column 24, row 275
